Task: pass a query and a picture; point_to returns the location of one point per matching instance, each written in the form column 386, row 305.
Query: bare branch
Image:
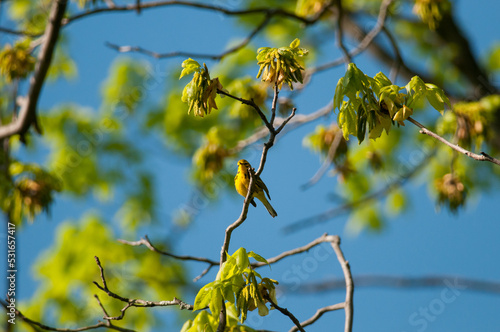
column 154, row 4
column 398, row 59
column 249, row 103
column 364, row 43
column 42, row 326
column 17, row 32
column 202, row 274
column 318, row 315
column 479, row 157
column 146, row 242
column 349, row 284
column 324, row 238
column 243, row 43
column 27, row 113
column 134, row 302
column 339, row 33
column 297, row 121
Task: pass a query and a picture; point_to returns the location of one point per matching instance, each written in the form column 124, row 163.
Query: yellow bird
column 241, row 182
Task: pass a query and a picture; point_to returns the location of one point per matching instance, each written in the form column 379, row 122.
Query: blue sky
column 420, row 242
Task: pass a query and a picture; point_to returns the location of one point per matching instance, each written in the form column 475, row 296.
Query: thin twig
column 398, row 59
column 226, row 11
column 318, row 315
column 146, row 242
column 273, row 105
column 285, row 312
column 37, row 325
column 156, row 55
column 297, row 121
column 363, row 44
column 134, row 302
column 27, row 114
column 322, row 239
column 249, row 103
column 349, row 285
column 18, row 32
column 479, row 157
column 202, row 274
column 339, row 33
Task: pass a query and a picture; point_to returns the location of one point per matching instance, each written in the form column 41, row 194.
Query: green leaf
column 339, row 94
column 204, row 296
column 257, row 257
column 189, row 66
column 241, row 259
column 295, row 43
column 216, row 301
column 382, row 79
column 436, row 97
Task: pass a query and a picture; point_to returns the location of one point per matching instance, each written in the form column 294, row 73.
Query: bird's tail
column 268, row 206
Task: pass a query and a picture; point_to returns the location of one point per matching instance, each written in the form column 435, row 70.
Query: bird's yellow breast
column 241, row 181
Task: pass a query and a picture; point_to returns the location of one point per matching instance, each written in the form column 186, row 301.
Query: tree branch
column 365, row 41
column 322, row 239
column 264, row 10
column 27, row 113
column 340, row 34
column 249, row 103
column 297, row 121
column 146, row 242
column 37, row 325
column 17, row 32
column 349, row 284
column 318, row 315
column 479, row 157
column 134, row 302
column 285, row 312
column 246, row 41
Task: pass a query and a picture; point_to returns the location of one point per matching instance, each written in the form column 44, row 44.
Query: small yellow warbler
column 242, row 180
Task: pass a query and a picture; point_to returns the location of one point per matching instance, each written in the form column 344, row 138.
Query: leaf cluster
column 16, row 62
column 27, row 191
column 431, row 11
column 374, row 104
column 238, row 284
column 281, row 65
column 201, row 91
